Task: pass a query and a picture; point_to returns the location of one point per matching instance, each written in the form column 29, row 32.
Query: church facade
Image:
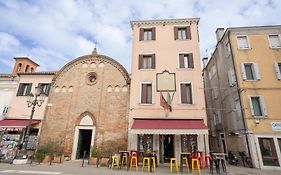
column 88, row 105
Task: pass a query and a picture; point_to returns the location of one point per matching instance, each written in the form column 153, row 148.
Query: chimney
column 219, row 33
column 205, row 61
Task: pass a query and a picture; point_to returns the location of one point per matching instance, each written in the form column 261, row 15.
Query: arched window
column 19, row 67
column 27, row 68
column 32, row 69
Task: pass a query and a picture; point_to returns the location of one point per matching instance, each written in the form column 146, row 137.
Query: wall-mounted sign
column 276, row 126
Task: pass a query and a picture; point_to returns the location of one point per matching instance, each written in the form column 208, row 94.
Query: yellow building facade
column 243, row 94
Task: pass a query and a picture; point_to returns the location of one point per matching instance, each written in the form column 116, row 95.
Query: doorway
column 166, row 148
column 84, row 143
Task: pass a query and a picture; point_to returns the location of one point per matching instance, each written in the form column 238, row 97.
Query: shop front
column 269, row 151
column 12, row 133
column 166, row 138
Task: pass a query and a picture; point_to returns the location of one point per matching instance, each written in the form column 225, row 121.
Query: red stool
column 134, row 153
column 207, row 161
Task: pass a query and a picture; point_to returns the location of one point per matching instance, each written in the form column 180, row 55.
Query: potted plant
column 41, row 153
column 58, row 154
column 94, row 157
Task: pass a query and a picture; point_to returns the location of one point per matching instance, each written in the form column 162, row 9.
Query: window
column 268, row 152
column 24, row 89
column 257, row 106
column 277, row 66
column 250, row 71
column 46, row 88
column 147, row 61
column 274, row 41
column 186, row 93
column 189, row 143
column 182, row 33
column 242, row 42
column 231, row 77
column 147, row 34
column 228, row 49
column 146, row 93
column 145, row 143
column 186, row 60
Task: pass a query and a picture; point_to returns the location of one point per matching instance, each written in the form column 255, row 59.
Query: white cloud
column 62, row 30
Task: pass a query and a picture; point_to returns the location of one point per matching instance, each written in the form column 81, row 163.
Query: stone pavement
column 74, row 168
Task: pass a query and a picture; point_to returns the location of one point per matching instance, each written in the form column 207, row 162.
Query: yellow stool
column 185, row 160
column 193, row 161
column 146, row 159
column 154, row 163
column 173, row 160
column 115, row 162
column 124, row 159
column 134, row 159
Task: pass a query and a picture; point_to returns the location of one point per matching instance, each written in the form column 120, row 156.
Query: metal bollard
column 84, row 155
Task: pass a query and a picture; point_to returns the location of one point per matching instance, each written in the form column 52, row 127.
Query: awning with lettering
column 16, row 124
column 168, row 126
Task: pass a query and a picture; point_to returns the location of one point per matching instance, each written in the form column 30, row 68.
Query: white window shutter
column 277, row 70
column 251, row 106
column 256, row 71
column 230, row 78
column 219, row 116
column 262, row 102
column 243, row 71
column 233, row 76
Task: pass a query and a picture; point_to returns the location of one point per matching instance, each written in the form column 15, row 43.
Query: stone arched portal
column 84, row 136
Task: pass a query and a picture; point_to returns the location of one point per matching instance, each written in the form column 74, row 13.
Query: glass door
column 268, row 152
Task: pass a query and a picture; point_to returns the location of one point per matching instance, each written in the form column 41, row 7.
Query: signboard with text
column 276, row 126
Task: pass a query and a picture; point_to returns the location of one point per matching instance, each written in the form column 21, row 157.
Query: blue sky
column 52, row 33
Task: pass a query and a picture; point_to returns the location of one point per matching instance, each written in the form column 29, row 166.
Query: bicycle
column 245, row 159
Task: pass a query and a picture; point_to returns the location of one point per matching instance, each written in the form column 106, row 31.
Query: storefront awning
column 168, row 126
column 16, row 124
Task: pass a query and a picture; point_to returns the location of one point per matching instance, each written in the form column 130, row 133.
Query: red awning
column 169, row 126
column 9, row 124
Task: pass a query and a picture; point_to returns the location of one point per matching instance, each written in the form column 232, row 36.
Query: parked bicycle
column 232, row 158
column 245, row 159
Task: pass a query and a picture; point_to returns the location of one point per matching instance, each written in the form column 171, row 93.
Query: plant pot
column 46, row 159
column 104, row 161
column 58, row 159
column 93, row 161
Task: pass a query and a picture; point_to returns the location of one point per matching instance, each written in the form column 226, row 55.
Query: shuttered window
column 250, row 71
column 182, row 33
column 186, row 93
column 242, row 42
column 147, row 61
column 274, row 41
column 147, row 34
column 277, row 67
column 24, row 89
column 146, row 93
column 257, row 106
column 46, row 87
column 186, row 61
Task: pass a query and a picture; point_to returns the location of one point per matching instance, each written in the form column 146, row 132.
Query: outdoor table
column 218, row 158
column 122, row 154
column 182, row 155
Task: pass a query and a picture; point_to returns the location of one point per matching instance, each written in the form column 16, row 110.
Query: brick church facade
column 88, row 105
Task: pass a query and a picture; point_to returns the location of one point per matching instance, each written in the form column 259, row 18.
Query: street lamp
column 33, row 100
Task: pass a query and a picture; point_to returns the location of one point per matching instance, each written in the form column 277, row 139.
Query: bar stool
column 115, row 161
column 153, row 159
column 185, row 160
column 146, row 159
column 134, row 161
column 207, row 161
column 124, row 159
column 173, row 160
column 195, row 161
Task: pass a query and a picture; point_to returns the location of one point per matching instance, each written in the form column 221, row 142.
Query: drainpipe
column 239, row 94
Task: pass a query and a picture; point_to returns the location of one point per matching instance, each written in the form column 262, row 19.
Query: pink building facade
column 165, row 56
